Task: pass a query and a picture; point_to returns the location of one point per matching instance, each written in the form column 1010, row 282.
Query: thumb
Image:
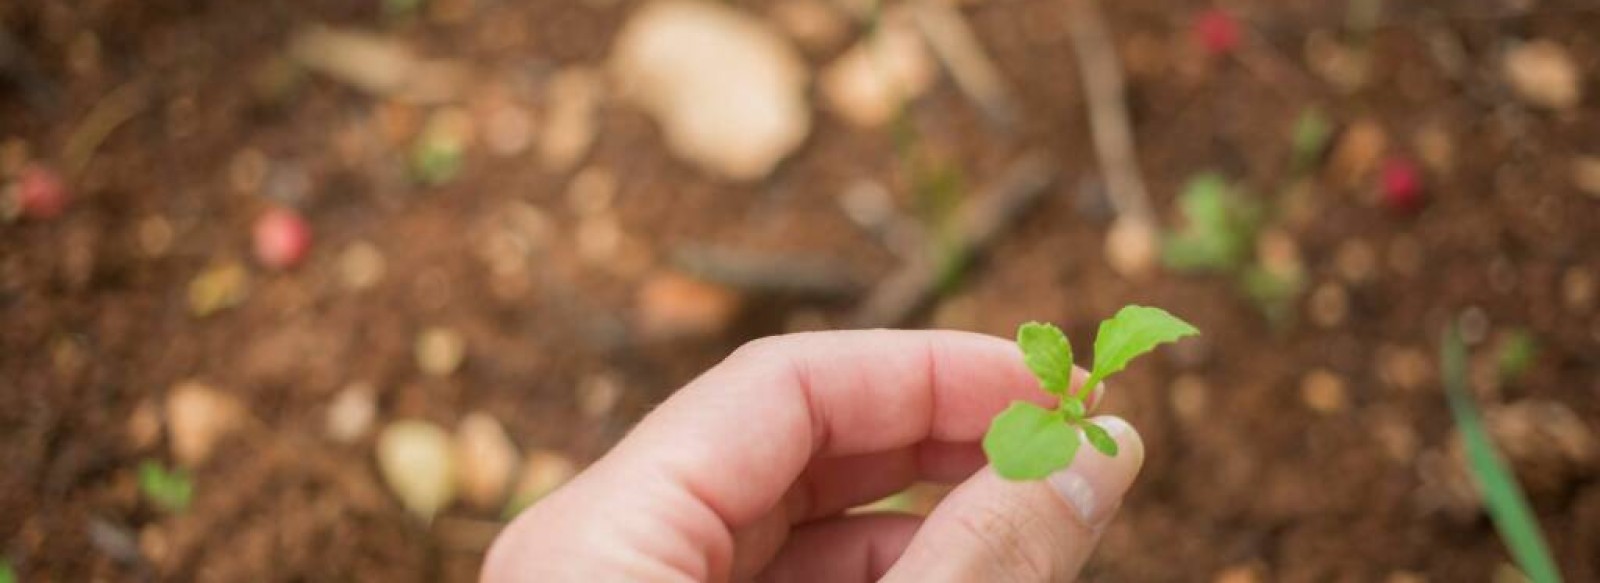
column 992, row 529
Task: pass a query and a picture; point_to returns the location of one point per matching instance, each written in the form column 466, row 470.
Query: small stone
column 218, row 288
column 485, row 459
column 1132, row 247
column 1407, row 369
column 1344, row 68
column 1357, row 153
column 598, row 395
column 198, row 417
column 868, row 204
column 1329, row 305
column 1578, row 289
column 351, row 413
column 414, row 458
column 361, row 266
column 600, row 239
column 1356, row 261
column 870, row 83
column 592, row 191
column 674, row 59
column 144, row 426
column 507, row 130
column 247, row 170
column 1436, row 147
column 543, row 471
column 1396, row 436
column 1473, row 325
column 674, row 305
column 1279, row 254
column 1323, row 391
column 816, row 25
column 1248, row 573
column 571, row 112
column 1543, row 73
column 155, row 236
column 1189, row 395
column 1586, row 174
column 440, row 351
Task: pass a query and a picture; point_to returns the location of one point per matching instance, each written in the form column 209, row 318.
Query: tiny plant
column 6, row 574
column 169, row 489
column 1029, row 442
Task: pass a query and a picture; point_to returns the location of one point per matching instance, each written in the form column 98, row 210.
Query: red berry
column 41, row 193
column 282, row 238
column 1217, row 31
column 1402, row 186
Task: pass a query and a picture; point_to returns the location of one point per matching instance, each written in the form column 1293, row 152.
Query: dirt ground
column 1312, row 448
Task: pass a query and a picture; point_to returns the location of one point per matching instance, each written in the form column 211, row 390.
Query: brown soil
column 94, row 327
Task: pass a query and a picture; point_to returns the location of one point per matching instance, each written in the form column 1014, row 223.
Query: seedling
column 1310, row 138
column 1029, row 442
column 169, row 489
column 6, row 574
column 1220, row 227
column 1517, row 354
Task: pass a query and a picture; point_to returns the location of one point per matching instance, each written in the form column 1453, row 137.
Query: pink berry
column 1401, row 185
column 282, row 238
column 41, row 193
column 1217, row 31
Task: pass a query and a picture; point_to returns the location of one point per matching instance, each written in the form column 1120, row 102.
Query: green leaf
column 1048, row 354
column 1503, row 498
column 1028, row 442
column 1219, row 227
column 171, row 490
column 1311, row 133
column 1100, row 439
column 1517, row 354
column 1072, row 408
column 1135, row 330
column 7, row 575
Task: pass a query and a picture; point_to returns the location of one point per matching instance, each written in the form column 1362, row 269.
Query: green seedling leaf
column 1100, row 439
column 1311, row 133
column 1028, row 442
column 1517, row 354
column 171, row 490
column 1502, row 497
column 1135, row 330
column 1048, row 354
column 1218, row 227
column 7, row 575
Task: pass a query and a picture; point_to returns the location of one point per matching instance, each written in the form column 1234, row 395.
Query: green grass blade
column 1507, row 505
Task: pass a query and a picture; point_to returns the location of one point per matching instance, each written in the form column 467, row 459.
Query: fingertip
column 1095, row 484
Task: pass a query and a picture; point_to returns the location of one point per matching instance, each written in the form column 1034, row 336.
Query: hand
column 746, row 472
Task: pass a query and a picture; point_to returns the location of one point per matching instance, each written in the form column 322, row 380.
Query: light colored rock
column 674, row 305
column 155, row 236
column 1323, row 391
column 440, row 351
column 1542, row 73
column 1356, row 154
column 815, row 24
column 414, row 459
column 1578, row 289
column 598, row 395
column 144, row 425
column 592, row 191
column 507, row 129
column 198, row 417
column 542, row 472
column 1189, row 395
column 1132, row 247
column 485, row 460
column 1356, row 261
column 1436, row 147
column 571, row 112
column 377, row 65
column 361, row 265
column 1329, row 305
column 727, row 90
column 1586, row 175
column 1407, row 369
column 868, row 84
column 351, row 413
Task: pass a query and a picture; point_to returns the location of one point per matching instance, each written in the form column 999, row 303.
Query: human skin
column 746, row 474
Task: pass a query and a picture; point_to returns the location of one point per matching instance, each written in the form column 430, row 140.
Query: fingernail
column 1094, row 484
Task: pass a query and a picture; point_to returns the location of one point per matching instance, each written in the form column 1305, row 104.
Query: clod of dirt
column 414, row 458
column 1328, row 305
column 40, row 192
column 351, row 413
column 816, row 25
column 198, row 417
column 1542, row 73
column 485, row 459
column 1578, row 289
column 674, row 59
column 598, row 395
column 155, row 235
column 1189, row 395
column 1324, row 392
column 361, row 266
column 870, row 83
column 1132, row 247
column 219, row 287
column 1407, row 369
column 439, row 351
column 572, row 104
column 1356, row 154
column 1586, row 175
column 144, row 426
column 507, row 129
column 1549, row 446
column 542, row 472
column 1347, row 69
column 592, row 191
column 1436, row 147
column 281, row 238
column 672, row 305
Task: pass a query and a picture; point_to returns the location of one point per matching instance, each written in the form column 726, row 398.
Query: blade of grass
column 1503, row 498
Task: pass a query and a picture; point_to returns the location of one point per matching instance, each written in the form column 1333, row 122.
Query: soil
column 1247, row 480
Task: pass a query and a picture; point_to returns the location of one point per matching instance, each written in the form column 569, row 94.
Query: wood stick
column 957, row 47
column 1108, row 110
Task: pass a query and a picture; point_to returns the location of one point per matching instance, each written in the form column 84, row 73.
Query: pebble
column 198, row 417
column 1356, row 261
column 155, row 236
column 1586, row 175
column 1473, row 325
column 598, row 395
column 351, row 413
column 543, row 471
column 439, row 351
column 1329, row 305
column 1578, row 289
column 1342, row 67
column 361, row 265
column 507, row 130
column 1407, row 369
column 1543, row 74
column 868, row 204
column 671, row 305
column 592, row 191
column 816, row 25
column 1396, row 435
column 1132, row 247
column 414, row 458
column 218, row 288
column 1357, row 153
column 1436, row 147
column 144, row 426
column 485, row 459
column 869, row 83
column 1189, row 396
column 1323, row 391
column 571, row 111
column 674, row 58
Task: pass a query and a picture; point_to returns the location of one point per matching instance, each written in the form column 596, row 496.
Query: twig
column 958, row 49
column 976, row 224
column 113, row 110
column 1108, row 110
column 763, row 273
